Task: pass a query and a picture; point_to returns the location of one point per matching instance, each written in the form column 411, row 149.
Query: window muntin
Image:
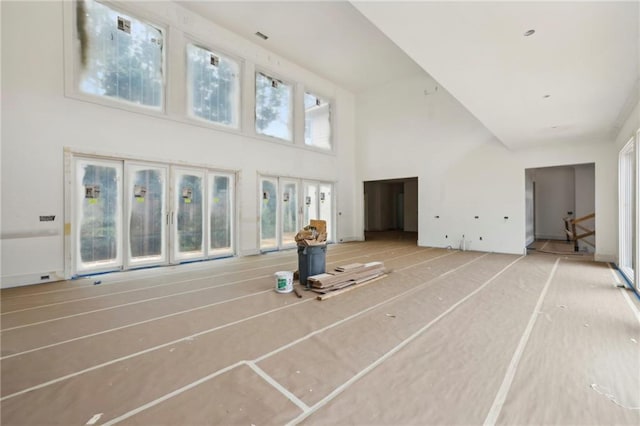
column 317, row 122
column 120, row 57
column 274, row 101
column 213, row 86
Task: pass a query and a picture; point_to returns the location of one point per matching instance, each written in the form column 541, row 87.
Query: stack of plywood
column 345, row 276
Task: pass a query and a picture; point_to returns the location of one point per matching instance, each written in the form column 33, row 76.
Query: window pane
column 189, row 216
column 220, row 208
column 273, row 107
column 289, row 212
column 628, row 193
column 317, row 122
column 268, row 215
column 120, row 56
column 310, row 203
column 146, row 224
column 213, row 86
column 326, row 208
column 99, row 199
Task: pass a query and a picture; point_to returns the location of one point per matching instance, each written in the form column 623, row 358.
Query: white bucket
column 284, row 281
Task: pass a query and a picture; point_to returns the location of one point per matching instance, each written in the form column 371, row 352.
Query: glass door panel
column 289, row 211
column 326, row 207
column 188, row 214
column 627, row 214
column 268, row 213
column 310, row 203
column 97, row 215
column 147, row 213
column 220, row 214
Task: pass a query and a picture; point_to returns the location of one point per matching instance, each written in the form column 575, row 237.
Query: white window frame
column 637, row 235
column 292, row 108
column 300, row 181
column 72, row 62
column 628, row 163
column 331, row 106
column 175, row 105
column 188, row 114
column 71, row 156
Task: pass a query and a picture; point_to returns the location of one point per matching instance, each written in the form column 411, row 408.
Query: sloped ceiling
column 330, row 38
column 574, row 80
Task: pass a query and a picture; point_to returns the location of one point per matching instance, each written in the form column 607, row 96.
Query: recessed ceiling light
column 530, row 32
column 262, row 36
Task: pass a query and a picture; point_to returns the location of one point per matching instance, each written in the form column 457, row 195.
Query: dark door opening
column 391, row 209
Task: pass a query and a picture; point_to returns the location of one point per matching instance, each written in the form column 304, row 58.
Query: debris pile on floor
column 314, row 234
column 346, row 276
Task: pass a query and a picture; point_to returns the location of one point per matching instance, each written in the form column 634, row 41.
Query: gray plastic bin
column 312, row 260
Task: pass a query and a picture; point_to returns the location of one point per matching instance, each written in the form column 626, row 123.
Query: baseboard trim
column 19, row 280
column 609, row 258
column 551, row 237
column 350, row 239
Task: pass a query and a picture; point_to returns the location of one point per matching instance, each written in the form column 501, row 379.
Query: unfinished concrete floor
column 447, row 338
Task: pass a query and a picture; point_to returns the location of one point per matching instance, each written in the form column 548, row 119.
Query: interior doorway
column 560, row 207
column 391, row 208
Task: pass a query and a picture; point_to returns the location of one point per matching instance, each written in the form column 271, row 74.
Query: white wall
column 629, row 127
column 555, row 200
column 39, row 122
column 463, row 170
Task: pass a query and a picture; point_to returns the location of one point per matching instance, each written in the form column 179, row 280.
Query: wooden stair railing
column 570, row 226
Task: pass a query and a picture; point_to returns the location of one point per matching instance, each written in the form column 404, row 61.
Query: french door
column 318, row 200
column 628, row 182
column 287, row 205
column 289, row 212
column 97, row 220
column 187, row 216
column 128, row 214
column 145, row 230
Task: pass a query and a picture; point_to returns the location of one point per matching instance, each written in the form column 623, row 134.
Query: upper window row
column 123, row 58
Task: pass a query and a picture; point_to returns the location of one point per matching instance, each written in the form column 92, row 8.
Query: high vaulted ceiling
column 330, row 38
column 574, row 80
